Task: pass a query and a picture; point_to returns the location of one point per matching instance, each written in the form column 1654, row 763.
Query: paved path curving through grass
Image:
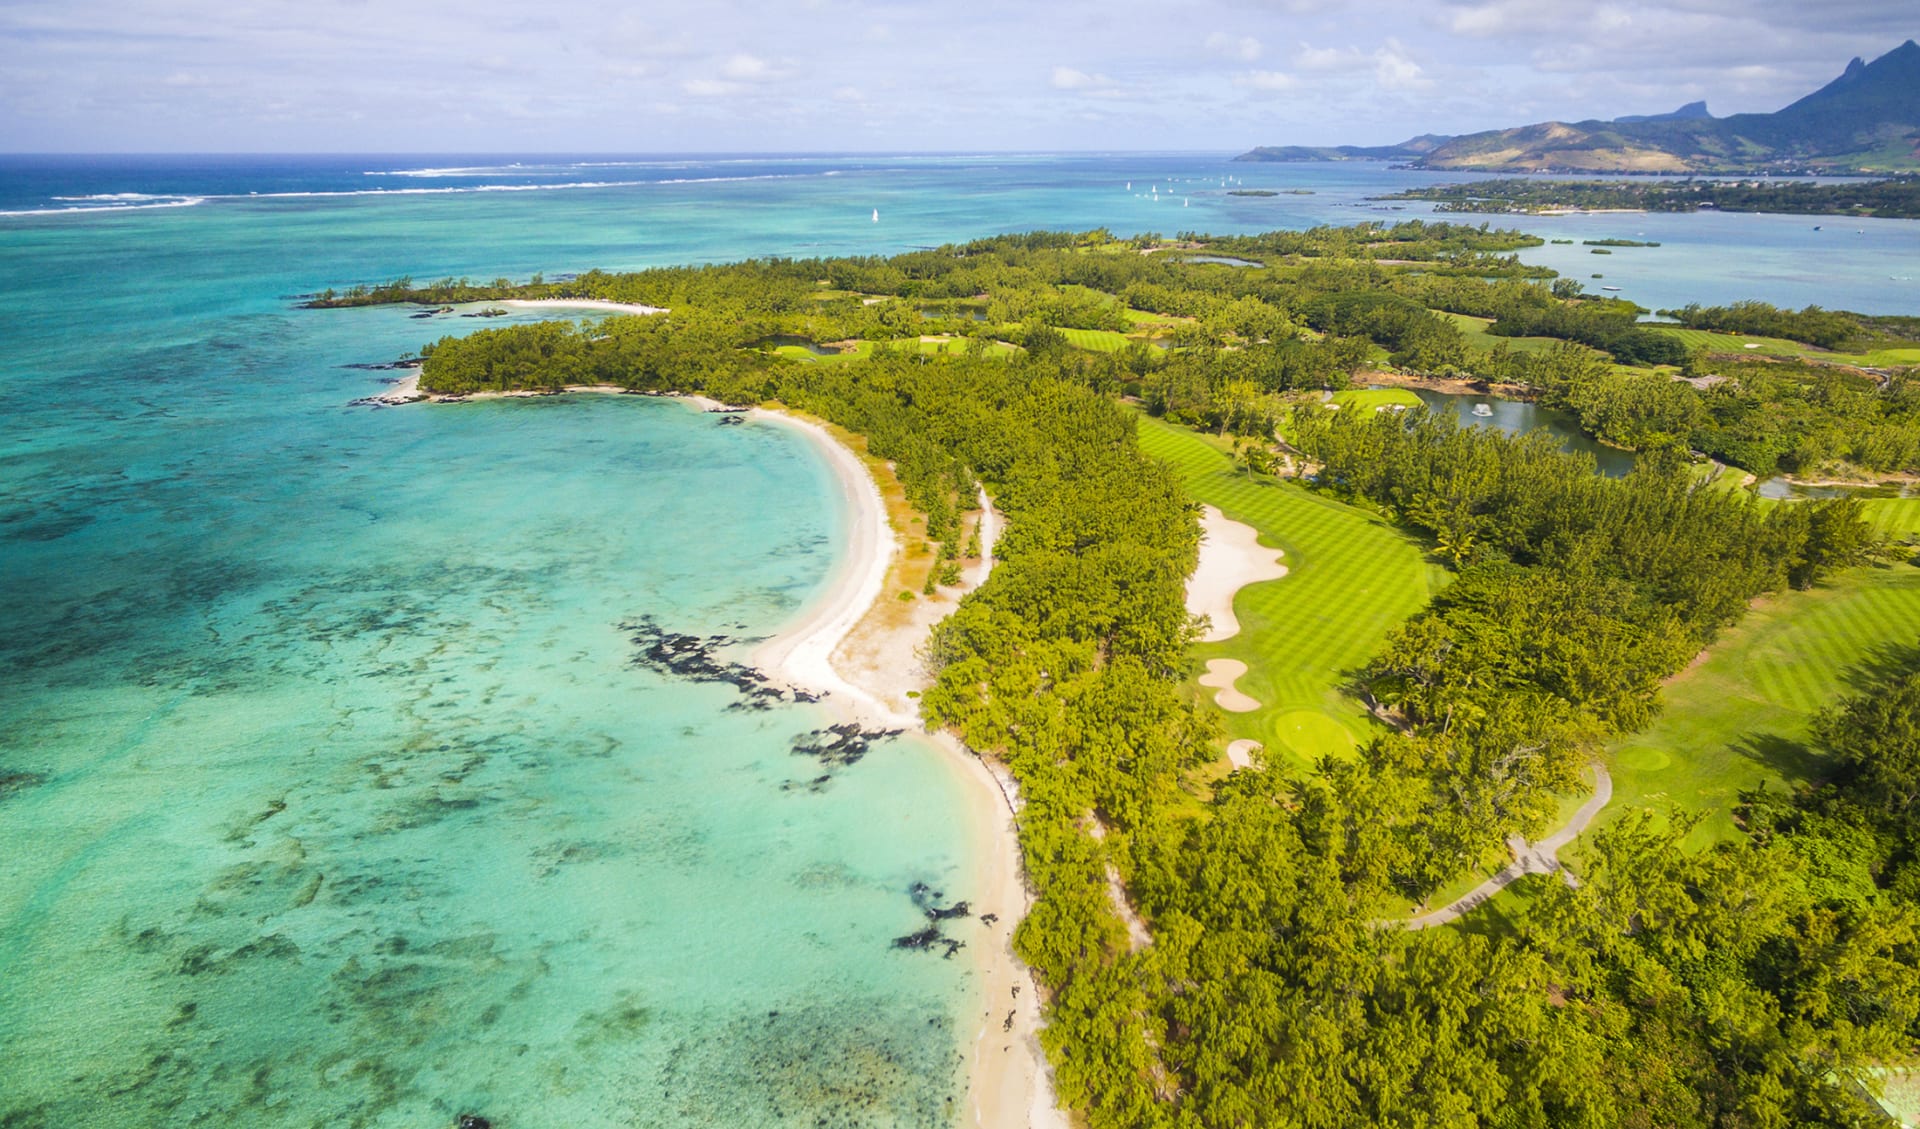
column 1542, row 857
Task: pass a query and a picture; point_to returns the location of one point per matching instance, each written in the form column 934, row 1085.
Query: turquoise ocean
column 330, row 790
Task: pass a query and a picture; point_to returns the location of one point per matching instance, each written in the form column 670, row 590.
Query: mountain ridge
column 1865, row 120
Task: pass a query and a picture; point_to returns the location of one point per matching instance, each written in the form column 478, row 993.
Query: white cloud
column 1066, row 78
column 1310, row 58
column 1245, row 48
column 1394, row 70
column 709, row 88
column 750, row 68
column 1392, row 64
column 1266, row 80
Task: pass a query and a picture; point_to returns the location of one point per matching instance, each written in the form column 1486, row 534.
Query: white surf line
column 1231, row 557
column 1539, row 858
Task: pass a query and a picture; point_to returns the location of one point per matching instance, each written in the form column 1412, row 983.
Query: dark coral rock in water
column 472, row 1121
column 927, row 900
column 838, row 746
column 696, row 659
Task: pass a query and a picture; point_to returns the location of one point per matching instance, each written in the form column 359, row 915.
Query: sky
column 425, row 76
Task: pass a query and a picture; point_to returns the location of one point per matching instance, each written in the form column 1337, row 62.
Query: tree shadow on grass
column 1882, row 666
column 1794, row 762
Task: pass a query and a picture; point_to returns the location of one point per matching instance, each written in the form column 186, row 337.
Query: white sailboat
column 876, row 215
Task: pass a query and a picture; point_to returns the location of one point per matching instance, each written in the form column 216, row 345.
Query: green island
column 1475, row 629
column 1892, row 198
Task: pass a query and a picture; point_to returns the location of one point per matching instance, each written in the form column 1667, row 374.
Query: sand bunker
column 1221, row 675
column 1231, row 557
column 1240, row 753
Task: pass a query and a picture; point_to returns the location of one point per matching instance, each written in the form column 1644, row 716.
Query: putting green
column 1738, row 719
column 1352, row 577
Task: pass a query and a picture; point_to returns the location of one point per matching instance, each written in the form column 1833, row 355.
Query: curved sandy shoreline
column 1009, row 1085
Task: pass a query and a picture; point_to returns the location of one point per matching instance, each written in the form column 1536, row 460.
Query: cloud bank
column 489, row 75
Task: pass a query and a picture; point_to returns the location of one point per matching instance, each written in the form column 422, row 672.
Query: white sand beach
column 577, row 304
column 872, row 677
column 1231, row 557
column 867, row 679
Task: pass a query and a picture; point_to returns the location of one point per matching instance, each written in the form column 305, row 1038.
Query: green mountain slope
column 1866, row 120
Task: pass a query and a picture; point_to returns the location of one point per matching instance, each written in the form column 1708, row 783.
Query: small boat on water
column 1483, row 409
column 1816, row 227
column 876, row 215
column 1609, row 288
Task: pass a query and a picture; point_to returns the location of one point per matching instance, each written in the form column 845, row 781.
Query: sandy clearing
column 1231, row 557
column 1221, row 675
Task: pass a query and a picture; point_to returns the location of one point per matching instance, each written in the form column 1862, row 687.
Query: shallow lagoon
column 333, row 796
column 327, row 792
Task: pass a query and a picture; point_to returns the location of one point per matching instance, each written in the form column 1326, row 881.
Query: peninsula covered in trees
column 1758, row 980
column 1897, row 198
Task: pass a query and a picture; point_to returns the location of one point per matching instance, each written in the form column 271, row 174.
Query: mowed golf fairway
column 1739, row 719
column 1351, row 578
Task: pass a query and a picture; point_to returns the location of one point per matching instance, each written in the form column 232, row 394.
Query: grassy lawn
column 1097, row 340
column 1140, row 318
column 1373, row 399
column 1894, row 518
column 1778, row 347
column 1734, row 342
column 863, row 349
column 1739, row 718
column 1352, row 578
column 1475, row 331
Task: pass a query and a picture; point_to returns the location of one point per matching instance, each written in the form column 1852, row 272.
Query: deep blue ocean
column 329, row 791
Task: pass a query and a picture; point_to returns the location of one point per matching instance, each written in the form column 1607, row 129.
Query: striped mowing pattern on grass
column 1097, row 340
column 862, row 350
column 1475, row 331
column 1739, row 719
column 1733, row 342
column 1373, row 399
column 1352, row 577
column 1890, row 357
column 1892, row 517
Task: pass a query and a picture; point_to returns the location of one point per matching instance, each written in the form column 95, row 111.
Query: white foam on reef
column 129, row 201
column 104, row 205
